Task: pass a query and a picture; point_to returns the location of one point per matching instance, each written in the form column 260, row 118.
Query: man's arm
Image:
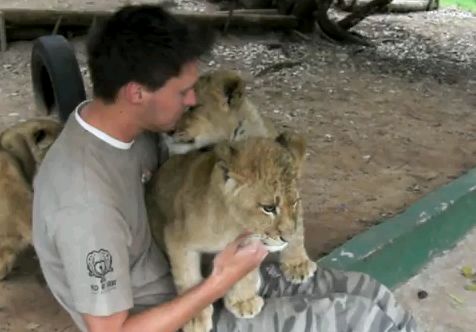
column 233, row 263
column 169, row 316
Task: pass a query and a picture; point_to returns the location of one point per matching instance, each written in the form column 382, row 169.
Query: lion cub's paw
column 4, row 271
column 298, row 272
column 183, row 137
column 248, row 308
column 202, row 322
column 6, row 263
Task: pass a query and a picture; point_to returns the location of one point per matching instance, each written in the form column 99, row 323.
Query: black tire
column 56, row 78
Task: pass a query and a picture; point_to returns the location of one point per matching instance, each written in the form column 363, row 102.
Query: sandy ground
column 385, row 125
column 448, row 307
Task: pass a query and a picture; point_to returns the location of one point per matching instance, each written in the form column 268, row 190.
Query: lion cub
column 22, row 148
column 223, row 112
column 200, row 201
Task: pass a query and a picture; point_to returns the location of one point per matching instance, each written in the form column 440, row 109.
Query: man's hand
column 235, row 261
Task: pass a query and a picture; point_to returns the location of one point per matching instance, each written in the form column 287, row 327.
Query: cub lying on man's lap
column 200, row 201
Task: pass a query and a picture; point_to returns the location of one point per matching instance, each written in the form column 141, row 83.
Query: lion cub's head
column 29, row 141
column 220, row 94
column 259, row 180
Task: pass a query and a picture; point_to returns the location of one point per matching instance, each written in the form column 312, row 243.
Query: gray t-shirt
column 90, row 228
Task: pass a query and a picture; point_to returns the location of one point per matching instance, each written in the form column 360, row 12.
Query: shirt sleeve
column 92, row 242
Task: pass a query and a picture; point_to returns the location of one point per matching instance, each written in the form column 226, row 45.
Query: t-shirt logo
column 99, row 264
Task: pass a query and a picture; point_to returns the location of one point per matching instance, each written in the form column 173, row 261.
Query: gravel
column 439, row 44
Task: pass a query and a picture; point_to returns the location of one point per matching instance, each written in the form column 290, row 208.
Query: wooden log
column 264, row 11
column 304, row 11
column 407, row 6
column 361, row 12
column 27, row 33
column 396, row 6
column 31, row 33
column 331, row 29
column 30, row 17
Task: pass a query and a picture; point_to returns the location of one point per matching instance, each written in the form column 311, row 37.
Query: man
column 90, row 226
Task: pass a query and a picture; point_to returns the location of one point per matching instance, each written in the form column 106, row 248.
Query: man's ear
column 133, row 92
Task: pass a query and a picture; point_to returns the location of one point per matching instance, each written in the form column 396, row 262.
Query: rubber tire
column 56, row 77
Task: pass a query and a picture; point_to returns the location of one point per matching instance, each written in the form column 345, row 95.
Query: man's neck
column 111, row 119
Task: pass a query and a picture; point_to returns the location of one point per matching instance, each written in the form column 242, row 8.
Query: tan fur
column 29, row 141
column 22, row 147
column 223, row 112
column 200, row 201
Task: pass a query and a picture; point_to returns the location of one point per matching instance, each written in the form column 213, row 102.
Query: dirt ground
column 385, row 125
column 448, row 307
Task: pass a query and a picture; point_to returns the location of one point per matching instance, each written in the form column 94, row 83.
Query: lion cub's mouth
column 272, row 244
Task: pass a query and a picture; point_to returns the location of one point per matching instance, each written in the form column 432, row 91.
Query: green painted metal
column 397, row 248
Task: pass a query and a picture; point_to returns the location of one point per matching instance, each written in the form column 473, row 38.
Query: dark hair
column 141, row 43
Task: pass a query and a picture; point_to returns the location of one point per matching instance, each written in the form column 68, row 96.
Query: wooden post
column 230, row 14
column 3, row 33
column 57, row 25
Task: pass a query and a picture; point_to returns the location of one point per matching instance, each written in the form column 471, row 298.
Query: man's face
column 165, row 106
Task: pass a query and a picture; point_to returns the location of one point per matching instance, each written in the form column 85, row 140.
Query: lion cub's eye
column 269, row 208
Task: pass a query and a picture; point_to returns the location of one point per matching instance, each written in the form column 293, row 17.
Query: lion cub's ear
column 295, row 143
column 233, row 88
column 39, row 135
column 226, row 153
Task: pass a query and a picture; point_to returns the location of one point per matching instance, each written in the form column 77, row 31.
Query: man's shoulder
column 66, row 175
column 63, row 159
column 67, row 145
